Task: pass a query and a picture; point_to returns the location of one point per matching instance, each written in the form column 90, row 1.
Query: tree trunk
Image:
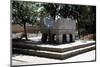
column 25, row 31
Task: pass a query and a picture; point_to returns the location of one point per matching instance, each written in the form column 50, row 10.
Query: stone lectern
column 60, row 31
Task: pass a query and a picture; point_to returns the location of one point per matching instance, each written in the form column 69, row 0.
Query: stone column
column 73, row 37
column 59, row 38
column 67, row 38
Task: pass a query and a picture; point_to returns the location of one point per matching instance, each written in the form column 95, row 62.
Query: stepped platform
column 62, row 51
column 35, row 60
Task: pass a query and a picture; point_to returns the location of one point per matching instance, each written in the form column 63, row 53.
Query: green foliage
column 84, row 14
column 87, row 19
column 23, row 12
column 26, row 12
column 62, row 10
column 30, row 12
column 51, row 9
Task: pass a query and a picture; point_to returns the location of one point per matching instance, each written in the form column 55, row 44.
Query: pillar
column 59, row 38
column 67, row 38
column 44, row 38
column 73, row 35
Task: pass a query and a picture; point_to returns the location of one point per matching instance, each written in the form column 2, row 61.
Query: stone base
column 61, row 52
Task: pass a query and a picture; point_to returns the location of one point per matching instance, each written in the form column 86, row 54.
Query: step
column 54, row 48
column 54, row 55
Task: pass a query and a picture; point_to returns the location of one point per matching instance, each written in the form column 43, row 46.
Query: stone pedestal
column 61, row 52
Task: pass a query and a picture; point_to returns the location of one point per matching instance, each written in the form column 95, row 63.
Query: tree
column 51, row 9
column 84, row 14
column 62, row 10
column 21, row 14
column 87, row 19
column 29, row 12
column 25, row 12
